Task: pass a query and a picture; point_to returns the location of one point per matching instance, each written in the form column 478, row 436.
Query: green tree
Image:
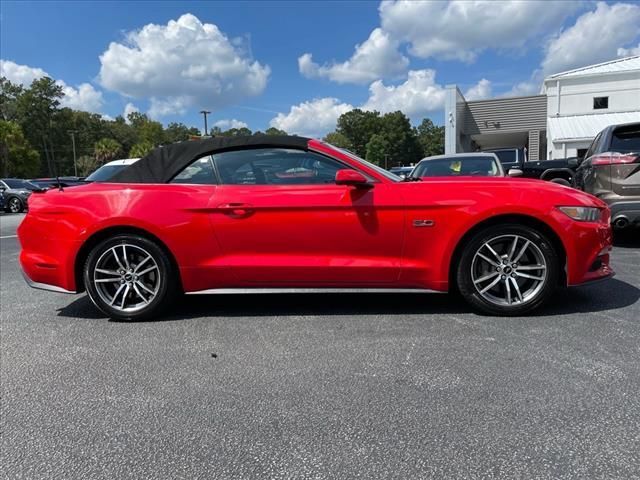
column 106, row 149
column 120, row 131
column 430, row 137
column 358, row 126
column 377, row 148
column 402, row 145
column 232, row 132
column 338, row 140
column 16, row 155
column 37, row 108
column 9, row 94
column 147, row 130
column 141, row 149
column 86, row 165
column 179, row 132
column 274, row 131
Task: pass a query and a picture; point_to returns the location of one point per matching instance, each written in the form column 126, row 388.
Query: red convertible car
column 269, row 214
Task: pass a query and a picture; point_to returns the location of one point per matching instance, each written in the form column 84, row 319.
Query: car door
column 281, row 220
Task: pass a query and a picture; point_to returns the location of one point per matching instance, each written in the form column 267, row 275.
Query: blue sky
column 246, row 61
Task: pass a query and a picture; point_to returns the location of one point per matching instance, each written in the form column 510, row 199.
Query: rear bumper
column 47, row 261
column 44, row 286
column 625, row 209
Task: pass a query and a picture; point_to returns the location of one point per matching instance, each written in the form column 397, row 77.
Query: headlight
column 582, row 214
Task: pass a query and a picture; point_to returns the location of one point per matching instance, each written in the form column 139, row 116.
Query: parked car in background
column 16, row 192
column 402, row 172
column 459, row 165
column 610, row 170
column 1, row 200
column 53, row 182
column 515, row 163
column 189, row 218
column 108, row 170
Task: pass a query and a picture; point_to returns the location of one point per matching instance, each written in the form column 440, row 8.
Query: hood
column 560, row 193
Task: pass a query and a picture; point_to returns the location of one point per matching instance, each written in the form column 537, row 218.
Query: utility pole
column 386, row 161
column 73, row 142
column 205, row 113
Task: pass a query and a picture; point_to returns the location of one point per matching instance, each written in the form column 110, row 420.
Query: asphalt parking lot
column 321, row 386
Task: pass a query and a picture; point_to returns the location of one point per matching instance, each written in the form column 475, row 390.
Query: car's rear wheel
column 15, row 205
column 129, row 277
column 508, row 270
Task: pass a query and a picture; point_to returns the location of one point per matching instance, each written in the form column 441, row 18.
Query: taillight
column 614, row 158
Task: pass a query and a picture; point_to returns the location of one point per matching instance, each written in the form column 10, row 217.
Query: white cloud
column 83, row 97
column 417, row 95
column 629, row 52
column 226, row 124
column 129, row 108
column 312, row 118
column 182, row 65
column 20, row 74
column 376, row 58
column 461, row 29
column 525, row 88
column 480, row 91
column 596, row 37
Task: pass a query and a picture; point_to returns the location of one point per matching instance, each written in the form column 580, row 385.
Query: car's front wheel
column 508, row 270
column 129, row 277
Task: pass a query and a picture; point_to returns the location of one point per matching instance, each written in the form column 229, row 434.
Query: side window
column 199, row 172
column 593, row 146
column 275, row 166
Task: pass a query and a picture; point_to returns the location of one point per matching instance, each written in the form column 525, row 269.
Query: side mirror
column 352, row 177
column 574, row 162
column 515, row 172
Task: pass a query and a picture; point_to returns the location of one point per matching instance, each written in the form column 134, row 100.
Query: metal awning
column 586, row 127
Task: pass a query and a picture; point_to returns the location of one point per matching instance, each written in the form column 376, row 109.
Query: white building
column 561, row 122
column 583, row 101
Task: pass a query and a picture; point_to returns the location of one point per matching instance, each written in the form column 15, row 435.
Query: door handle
column 237, row 209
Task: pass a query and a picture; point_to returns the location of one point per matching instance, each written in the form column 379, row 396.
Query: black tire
column 165, row 284
column 14, row 205
column 540, row 290
column 561, row 181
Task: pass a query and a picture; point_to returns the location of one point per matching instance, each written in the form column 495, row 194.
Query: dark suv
column 610, row 170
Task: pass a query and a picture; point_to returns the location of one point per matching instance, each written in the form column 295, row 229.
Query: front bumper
column 588, row 246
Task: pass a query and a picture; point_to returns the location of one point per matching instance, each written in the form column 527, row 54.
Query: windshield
column 104, row 173
column 458, row 166
column 13, row 183
column 380, row 170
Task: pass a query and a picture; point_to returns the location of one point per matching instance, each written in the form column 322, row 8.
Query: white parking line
column 9, row 236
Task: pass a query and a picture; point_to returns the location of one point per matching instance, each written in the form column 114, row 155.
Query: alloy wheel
column 14, row 205
column 127, row 277
column 508, row 270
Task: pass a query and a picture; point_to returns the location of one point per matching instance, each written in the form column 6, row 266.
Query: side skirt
column 231, row 291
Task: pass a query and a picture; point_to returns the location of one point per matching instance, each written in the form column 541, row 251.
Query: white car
column 108, row 170
column 459, row 165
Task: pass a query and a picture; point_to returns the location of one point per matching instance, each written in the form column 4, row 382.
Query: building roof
column 580, row 127
column 613, row 66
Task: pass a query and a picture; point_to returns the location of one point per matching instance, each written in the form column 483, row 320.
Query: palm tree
column 106, row 149
column 140, row 149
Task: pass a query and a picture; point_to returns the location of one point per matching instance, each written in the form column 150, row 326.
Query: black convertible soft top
column 164, row 163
